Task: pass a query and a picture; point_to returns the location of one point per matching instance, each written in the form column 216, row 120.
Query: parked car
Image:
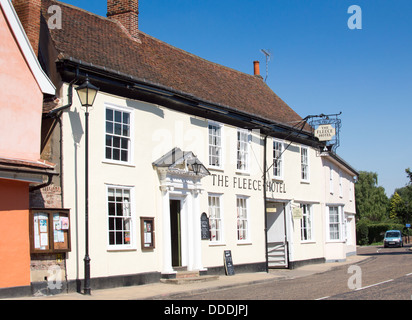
column 393, row 238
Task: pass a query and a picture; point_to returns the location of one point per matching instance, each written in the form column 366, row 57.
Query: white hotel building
column 173, row 136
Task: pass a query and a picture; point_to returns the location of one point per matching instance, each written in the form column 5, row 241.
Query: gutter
column 44, row 185
column 36, row 172
column 265, row 202
column 130, row 82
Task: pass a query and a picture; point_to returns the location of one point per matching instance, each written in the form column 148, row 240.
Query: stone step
column 187, row 274
column 179, row 269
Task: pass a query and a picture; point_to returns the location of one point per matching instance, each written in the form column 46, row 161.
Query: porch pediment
column 181, row 163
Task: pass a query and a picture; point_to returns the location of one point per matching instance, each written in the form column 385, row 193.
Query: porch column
column 197, row 243
column 190, row 232
column 166, row 234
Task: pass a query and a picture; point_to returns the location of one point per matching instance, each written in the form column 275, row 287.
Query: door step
column 185, row 277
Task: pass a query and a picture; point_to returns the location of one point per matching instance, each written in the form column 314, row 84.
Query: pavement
column 159, row 291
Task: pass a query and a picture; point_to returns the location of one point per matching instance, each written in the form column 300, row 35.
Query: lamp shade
column 87, row 93
column 196, row 166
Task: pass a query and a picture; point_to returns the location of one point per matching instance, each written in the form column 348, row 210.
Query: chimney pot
column 256, row 65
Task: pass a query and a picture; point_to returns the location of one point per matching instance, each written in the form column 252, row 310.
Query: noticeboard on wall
column 147, row 233
column 49, row 230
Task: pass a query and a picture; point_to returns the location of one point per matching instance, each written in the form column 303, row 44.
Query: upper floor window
column 304, row 161
column 278, row 159
column 118, row 135
column 243, row 150
column 215, row 145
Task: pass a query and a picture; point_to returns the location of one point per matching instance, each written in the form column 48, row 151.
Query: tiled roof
column 26, row 164
column 104, row 43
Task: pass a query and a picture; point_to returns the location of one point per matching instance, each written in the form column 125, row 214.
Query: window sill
column 217, row 244
column 242, row 173
column 244, row 243
column 335, row 241
column 119, row 163
column 307, row 241
column 112, row 249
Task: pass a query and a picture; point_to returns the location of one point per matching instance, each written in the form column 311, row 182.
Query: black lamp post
column 87, row 94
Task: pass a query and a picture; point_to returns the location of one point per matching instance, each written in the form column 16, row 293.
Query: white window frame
column 278, row 163
column 304, row 164
column 130, row 216
column 240, row 199
column 219, row 148
column 213, row 218
column 351, row 191
column 306, row 223
column 243, row 138
column 338, row 224
column 130, row 146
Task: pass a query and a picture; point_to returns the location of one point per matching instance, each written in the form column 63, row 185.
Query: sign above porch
column 180, row 162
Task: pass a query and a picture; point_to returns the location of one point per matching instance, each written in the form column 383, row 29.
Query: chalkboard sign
column 230, row 270
column 205, row 229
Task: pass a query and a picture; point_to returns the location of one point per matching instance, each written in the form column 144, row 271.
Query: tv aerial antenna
column 268, row 55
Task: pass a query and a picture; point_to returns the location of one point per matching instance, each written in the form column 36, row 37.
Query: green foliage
column 362, row 232
column 368, row 232
column 371, row 200
column 376, row 213
column 397, row 207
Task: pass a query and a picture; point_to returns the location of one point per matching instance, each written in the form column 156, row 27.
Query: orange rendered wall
column 21, row 101
column 14, row 234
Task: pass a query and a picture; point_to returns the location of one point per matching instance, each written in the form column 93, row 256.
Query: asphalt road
column 385, row 275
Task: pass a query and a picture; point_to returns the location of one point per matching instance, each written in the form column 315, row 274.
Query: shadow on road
column 380, row 250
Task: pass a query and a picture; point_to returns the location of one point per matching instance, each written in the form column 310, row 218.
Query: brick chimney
column 29, row 12
column 127, row 13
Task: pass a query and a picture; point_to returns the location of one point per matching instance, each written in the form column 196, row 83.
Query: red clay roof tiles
column 104, row 43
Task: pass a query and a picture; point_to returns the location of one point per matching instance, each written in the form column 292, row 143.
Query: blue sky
column 319, row 65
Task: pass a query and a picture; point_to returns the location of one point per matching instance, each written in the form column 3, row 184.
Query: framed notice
column 147, row 233
column 49, row 230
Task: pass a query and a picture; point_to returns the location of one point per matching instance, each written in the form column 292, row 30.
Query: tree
column 397, row 207
column 371, row 200
column 409, row 174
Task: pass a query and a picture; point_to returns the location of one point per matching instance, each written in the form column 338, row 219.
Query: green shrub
column 362, row 232
column 369, row 232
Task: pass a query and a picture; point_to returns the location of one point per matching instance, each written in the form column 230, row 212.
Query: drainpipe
column 264, row 200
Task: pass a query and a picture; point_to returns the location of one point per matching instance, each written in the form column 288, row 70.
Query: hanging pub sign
column 204, row 225
column 325, row 132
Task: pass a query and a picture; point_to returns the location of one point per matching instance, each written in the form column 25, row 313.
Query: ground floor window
column 242, row 219
column 306, row 231
column 119, row 216
column 335, row 223
column 215, row 218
